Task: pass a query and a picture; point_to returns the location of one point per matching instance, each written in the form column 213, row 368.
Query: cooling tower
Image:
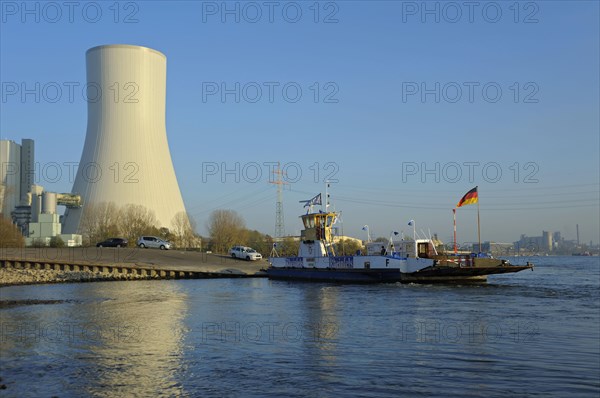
column 126, row 158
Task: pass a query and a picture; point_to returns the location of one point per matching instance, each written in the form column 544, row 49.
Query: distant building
column 535, row 244
column 556, row 240
column 17, row 168
column 44, row 222
column 546, row 241
column 283, row 238
column 495, row 248
column 32, row 209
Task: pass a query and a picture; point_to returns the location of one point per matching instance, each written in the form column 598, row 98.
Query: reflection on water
column 119, row 339
column 319, row 313
column 532, row 333
column 143, row 349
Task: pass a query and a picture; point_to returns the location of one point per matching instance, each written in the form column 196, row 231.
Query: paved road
column 175, row 260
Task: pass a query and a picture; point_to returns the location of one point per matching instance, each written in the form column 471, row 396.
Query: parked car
column 113, row 242
column 244, row 252
column 153, row 242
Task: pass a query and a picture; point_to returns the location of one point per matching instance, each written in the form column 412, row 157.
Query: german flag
column 469, row 198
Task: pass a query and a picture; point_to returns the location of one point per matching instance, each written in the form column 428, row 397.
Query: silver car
column 244, row 252
column 153, row 242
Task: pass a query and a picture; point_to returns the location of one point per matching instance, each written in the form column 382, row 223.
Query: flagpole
column 326, row 197
column 478, row 224
column 366, row 228
column 454, row 213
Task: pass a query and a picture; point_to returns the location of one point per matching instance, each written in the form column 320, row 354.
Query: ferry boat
column 415, row 261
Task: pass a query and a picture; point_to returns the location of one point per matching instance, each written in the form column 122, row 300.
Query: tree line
column 227, row 228
column 104, row 220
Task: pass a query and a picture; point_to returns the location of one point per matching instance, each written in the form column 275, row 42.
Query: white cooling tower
column 126, row 158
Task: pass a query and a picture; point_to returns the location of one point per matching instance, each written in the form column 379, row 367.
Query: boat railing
column 461, row 260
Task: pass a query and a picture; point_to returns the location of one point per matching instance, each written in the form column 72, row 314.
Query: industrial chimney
column 126, row 158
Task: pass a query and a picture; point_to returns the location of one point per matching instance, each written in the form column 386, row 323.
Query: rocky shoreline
column 12, row 276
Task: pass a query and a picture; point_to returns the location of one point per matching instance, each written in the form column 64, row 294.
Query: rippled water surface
column 528, row 334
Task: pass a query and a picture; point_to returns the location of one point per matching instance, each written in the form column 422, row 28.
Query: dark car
column 113, row 242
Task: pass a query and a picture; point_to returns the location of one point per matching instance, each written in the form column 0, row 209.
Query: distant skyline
column 408, row 105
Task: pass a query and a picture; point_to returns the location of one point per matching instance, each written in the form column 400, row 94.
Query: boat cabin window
column 423, row 249
column 309, row 221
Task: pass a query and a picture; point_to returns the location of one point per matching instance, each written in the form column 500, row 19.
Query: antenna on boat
column 366, row 228
column 412, row 223
column 311, row 202
column 327, row 197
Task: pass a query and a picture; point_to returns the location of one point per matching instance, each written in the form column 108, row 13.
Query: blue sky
column 361, row 67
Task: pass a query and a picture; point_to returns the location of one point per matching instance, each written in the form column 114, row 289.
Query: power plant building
column 126, row 157
column 17, row 168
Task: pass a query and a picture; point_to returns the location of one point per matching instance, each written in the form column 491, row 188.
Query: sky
column 404, row 106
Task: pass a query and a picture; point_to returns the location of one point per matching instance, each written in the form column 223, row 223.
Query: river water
column 531, row 334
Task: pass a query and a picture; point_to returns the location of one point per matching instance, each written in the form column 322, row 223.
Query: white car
column 244, row 252
column 153, row 241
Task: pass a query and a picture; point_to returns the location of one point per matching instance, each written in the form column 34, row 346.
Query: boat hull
column 336, row 275
column 433, row 274
column 475, row 274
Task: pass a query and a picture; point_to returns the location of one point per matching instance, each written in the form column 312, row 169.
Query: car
column 245, row 252
column 153, row 242
column 113, row 242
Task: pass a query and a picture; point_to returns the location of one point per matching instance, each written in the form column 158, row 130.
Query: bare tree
column 88, row 226
column 183, row 227
column 260, row 242
column 99, row 221
column 226, row 228
column 2, row 189
column 10, row 236
column 135, row 221
column 107, row 214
